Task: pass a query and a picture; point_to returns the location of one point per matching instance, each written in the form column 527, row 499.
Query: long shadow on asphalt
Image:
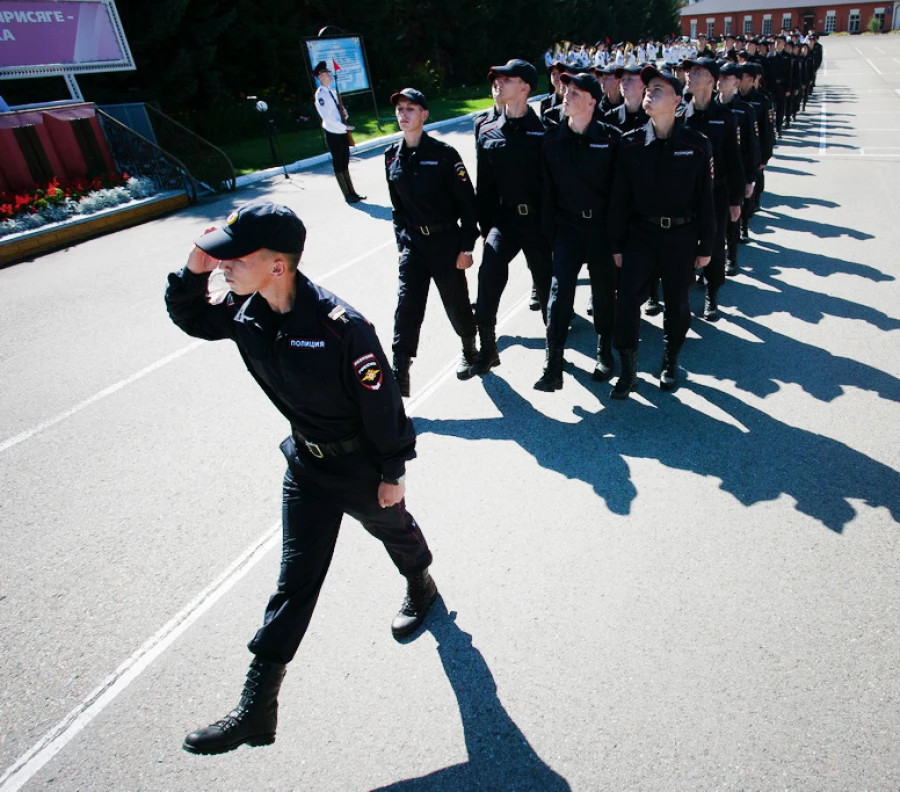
column 500, row 756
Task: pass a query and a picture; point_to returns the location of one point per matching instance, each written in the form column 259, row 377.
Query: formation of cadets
column 649, row 173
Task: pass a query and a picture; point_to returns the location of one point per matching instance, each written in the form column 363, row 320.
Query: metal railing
column 136, row 155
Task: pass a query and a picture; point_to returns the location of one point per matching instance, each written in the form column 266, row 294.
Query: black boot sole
column 601, row 376
column 615, row 393
column 546, row 386
column 668, row 386
column 256, row 741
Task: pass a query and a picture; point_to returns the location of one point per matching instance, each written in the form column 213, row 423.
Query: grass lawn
column 254, row 154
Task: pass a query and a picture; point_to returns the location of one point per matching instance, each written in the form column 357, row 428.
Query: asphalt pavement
column 686, row 591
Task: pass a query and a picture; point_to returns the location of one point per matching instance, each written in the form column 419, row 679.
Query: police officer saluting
column 508, row 148
column 719, row 125
column 662, row 222
column 436, row 225
column 578, row 160
column 321, row 365
column 334, row 124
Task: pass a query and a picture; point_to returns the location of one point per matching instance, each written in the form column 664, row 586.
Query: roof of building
column 707, row 7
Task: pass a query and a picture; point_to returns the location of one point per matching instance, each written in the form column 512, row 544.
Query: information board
column 345, row 60
column 54, row 37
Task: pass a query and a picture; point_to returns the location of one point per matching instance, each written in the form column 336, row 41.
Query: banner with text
column 345, row 60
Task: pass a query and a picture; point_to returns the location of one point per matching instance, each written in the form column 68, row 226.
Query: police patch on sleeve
column 461, row 173
column 368, row 371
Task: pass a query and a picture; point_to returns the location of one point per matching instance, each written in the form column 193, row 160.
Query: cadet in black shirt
column 765, row 122
column 661, row 222
column 436, row 225
column 719, row 125
column 578, row 160
column 630, row 114
column 321, row 365
column 508, row 148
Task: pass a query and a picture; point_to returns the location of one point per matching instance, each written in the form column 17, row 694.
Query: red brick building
column 769, row 17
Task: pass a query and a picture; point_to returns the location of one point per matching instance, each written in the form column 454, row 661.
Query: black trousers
column 430, row 258
column 339, row 146
column 512, row 234
column 317, row 493
column 714, row 272
column 574, row 244
column 779, row 98
column 650, row 252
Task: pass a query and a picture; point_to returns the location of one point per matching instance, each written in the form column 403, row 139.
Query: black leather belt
column 522, row 208
column 586, row 214
column 435, row 229
column 667, row 222
column 322, row 450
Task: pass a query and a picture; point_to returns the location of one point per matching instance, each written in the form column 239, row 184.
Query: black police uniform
column 577, row 185
column 719, row 125
column 322, row 366
column 509, row 177
column 778, row 80
column 435, row 219
column 765, row 121
column 624, row 121
column 551, row 104
column 663, row 217
column 745, row 116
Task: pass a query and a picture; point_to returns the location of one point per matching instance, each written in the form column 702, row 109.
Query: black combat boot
column 731, row 267
column 652, row 307
column 628, row 381
column 668, row 378
column 401, row 373
column 421, row 591
column 469, row 355
column 745, row 232
column 604, row 368
column 552, row 379
column 354, row 197
column 711, row 304
column 487, row 356
column 534, row 303
column 252, row 721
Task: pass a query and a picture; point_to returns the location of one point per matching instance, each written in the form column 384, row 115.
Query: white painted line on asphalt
column 21, row 438
column 28, row 434
column 877, row 70
column 823, row 124
column 897, row 91
column 897, row 59
column 31, row 762
column 60, row 735
column 878, row 49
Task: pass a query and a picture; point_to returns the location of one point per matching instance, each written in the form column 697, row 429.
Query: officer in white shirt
column 337, row 132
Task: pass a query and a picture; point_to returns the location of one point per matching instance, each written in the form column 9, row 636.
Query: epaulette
column 339, row 314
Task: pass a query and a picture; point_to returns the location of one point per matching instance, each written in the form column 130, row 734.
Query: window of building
column 879, row 15
column 767, row 25
column 727, row 26
column 748, row 25
column 830, row 21
column 853, row 23
column 693, row 28
column 711, row 27
column 786, row 22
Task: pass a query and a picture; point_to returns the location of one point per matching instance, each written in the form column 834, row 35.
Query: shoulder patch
column 339, row 314
column 461, row 173
column 368, row 371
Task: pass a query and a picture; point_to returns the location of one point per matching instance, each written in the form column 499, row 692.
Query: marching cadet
column 578, row 159
column 719, row 125
column 765, row 121
column 703, row 48
column 508, row 149
column 630, row 114
column 730, row 75
column 778, row 82
column 436, row 225
column 334, row 118
column 609, row 83
column 657, row 230
column 551, row 104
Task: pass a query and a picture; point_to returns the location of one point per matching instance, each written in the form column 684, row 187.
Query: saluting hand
column 199, row 261
column 390, row 494
column 464, row 261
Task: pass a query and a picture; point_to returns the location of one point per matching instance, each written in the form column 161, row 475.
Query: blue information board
column 345, row 60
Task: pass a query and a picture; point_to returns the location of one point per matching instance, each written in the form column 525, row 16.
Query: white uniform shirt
column 327, row 107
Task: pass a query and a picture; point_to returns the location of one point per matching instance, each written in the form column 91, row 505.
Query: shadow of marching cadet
column 376, row 211
column 768, row 217
column 755, row 457
column 800, row 259
column 500, row 757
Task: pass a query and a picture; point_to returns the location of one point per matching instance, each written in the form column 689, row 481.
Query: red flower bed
column 55, row 193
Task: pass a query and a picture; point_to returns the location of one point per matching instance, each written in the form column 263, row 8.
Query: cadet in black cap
column 578, row 159
column 661, row 222
column 765, row 121
column 730, row 75
column 509, row 180
column 719, row 125
column 321, row 365
column 551, row 105
column 630, row 114
column 337, row 133
column 436, row 225
column 609, row 83
column 778, row 82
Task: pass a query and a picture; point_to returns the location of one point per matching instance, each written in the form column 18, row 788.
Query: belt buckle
column 665, row 222
column 587, row 214
column 425, row 230
column 522, row 209
column 314, row 450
